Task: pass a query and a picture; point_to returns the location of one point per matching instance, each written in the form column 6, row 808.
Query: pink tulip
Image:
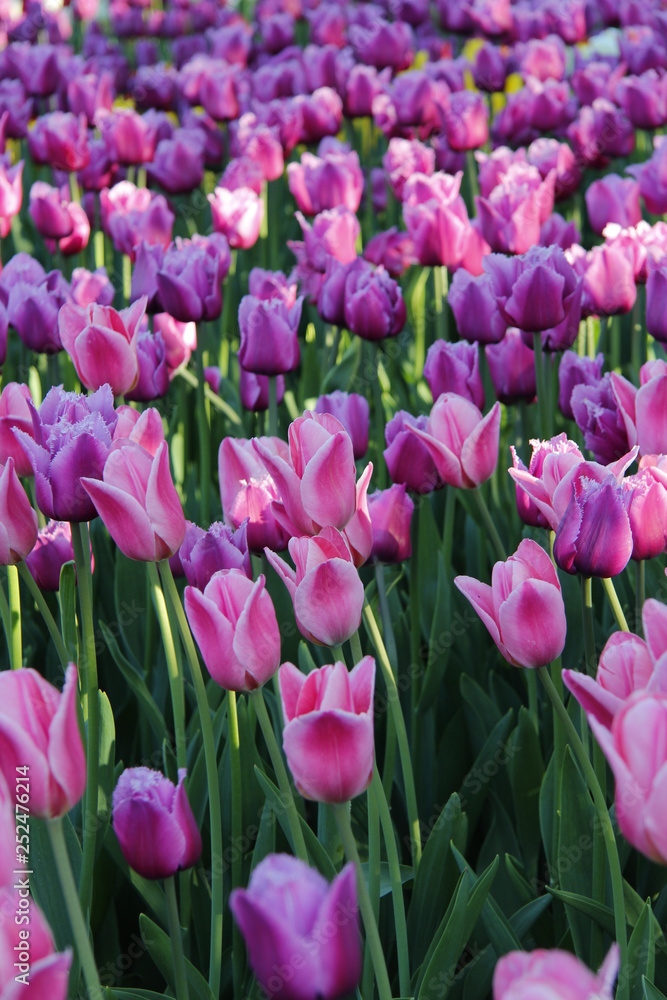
column 302, row 934
column 462, row 443
column 138, row 502
column 547, row 483
column 327, row 180
column 39, row 729
column 237, row 215
column 18, row 521
column 248, row 491
column 11, row 195
column 15, row 414
column 326, row 591
column 391, row 516
column 647, row 510
column 9, row 856
column 234, row 623
column 316, row 481
column 553, row 975
column 29, row 966
column 102, row 343
column 523, row 608
column 328, row 735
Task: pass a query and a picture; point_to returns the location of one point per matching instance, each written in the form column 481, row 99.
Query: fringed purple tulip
column 594, row 536
column 543, row 489
column 204, row 553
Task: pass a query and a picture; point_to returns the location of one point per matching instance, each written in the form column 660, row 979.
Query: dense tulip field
column 333, row 500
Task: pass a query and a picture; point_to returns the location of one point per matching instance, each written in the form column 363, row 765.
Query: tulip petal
column 162, row 504
column 102, row 355
column 651, row 417
column 71, row 321
column 654, row 620
column 184, row 816
column 521, row 619
column 288, row 486
column 257, row 636
column 362, row 683
column 593, row 698
column 215, row 638
column 285, row 572
column 17, row 749
column 480, row 596
column 446, row 462
column 329, row 601
column 124, row 518
column 291, row 682
column 654, row 820
column 49, row 977
column 328, row 487
column 151, row 839
column 479, row 454
column 339, row 959
column 625, row 394
column 66, row 756
column 330, row 754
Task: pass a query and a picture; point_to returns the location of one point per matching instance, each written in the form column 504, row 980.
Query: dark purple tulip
column 390, row 512
column 408, row 459
column 153, row 371
column 178, row 164
column 101, row 171
column 381, row 43
column 49, row 210
column 147, row 262
column 73, row 436
column 537, row 291
column 454, row 368
column 474, row 303
column 613, row 199
column 190, row 280
column 489, row 68
column 353, row 412
column 254, row 390
column 419, row 101
column 269, row 341
column 374, row 306
column 656, row 303
column 131, row 215
column 601, row 132
column 204, row 553
column 362, row 85
column 644, row 99
column 393, row 249
column 155, row 86
column 321, row 114
column 599, row 418
column 331, row 296
column 550, row 154
column 594, row 537
column 557, row 231
column 576, row 370
column 512, row 368
column 52, row 550
column 33, row 312
column 36, row 66
column 154, row 823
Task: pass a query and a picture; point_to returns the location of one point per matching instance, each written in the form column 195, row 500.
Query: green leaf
column 265, row 843
column 67, row 602
column 526, row 771
column 44, row 883
column 501, row 933
column 489, row 760
column 138, row 686
column 651, row 992
column 342, row 374
column 602, row 915
column 429, row 550
column 435, row 879
column 317, row 854
column 159, row 947
column 438, row 649
column 407, row 874
column 481, row 712
column 106, row 780
column 438, row 975
column 306, row 661
column 118, row 994
column 575, row 849
column 641, row 953
column 129, row 590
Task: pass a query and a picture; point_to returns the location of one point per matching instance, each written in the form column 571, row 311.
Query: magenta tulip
column 373, row 302
column 511, row 216
column 613, row 199
column 254, row 390
column 39, row 729
column 594, row 537
column 18, row 521
column 248, row 490
column 154, row 823
column 29, row 963
column 512, row 368
column 462, row 443
column 409, row 461
column 15, row 414
column 544, row 488
column 326, row 590
column 436, row 218
column 405, row 157
column 237, row 215
column 138, row 502
column 11, row 195
column 302, row 934
column 523, row 608
column 52, row 550
column 391, row 512
column 234, row 623
column 102, row 343
column 454, row 368
column 353, row 412
column 328, row 735
column 327, row 180
column 269, row 335
column 553, row 975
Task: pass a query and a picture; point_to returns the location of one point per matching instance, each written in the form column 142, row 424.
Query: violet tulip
column 39, row 730
column 600, row 419
column 512, row 368
column 328, row 735
column 178, row 164
column 391, row 512
column 405, row 157
column 248, row 490
column 553, row 975
column 189, row 279
column 327, row 180
column 138, row 503
column 269, row 335
column 254, row 390
column 523, row 608
column 511, row 216
column 131, row 215
column 316, row 480
column 454, row 368
column 462, row 443
column 594, row 536
column 102, row 343
column 353, row 412
column 52, row 550
column 18, row 521
column 467, row 120
column 203, row 553
column 538, row 292
column 72, row 435
column 408, row 460
column 326, row 590
column 154, row 823
column 302, row 934
column 436, row 218
column 613, row 199
column 130, row 138
column 474, row 303
column 153, row 381
column 575, row 370
column 373, row 302
column 234, row 623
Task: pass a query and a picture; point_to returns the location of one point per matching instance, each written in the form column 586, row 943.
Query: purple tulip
column 512, row 368
column 178, row 164
column 32, row 309
column 282, row 915
column 362, row 85
column 88, row 93
column 600, row 132
column 594, row 536
column 332, row 234
column 467, row 121
column 269, row 341
column 61, row 140
column 390, row 512
column 353, row 412
column 454, row 368
column 18, row 107
column 393, row 249
column 644, row 99
column 132, row 215
column 656, row 302
column 327, row 180
column 52, row 550
column 374, row 306
column 600, row 419
column 511, row 216
column 474, row 303
column 613, row 199
column 154, row 823
column 380, row 43
column 557, row 231
column 436, row 218
column 575, row 370
column 190, row 278
column 489, row 68
column 321, row 114
column 204, row 553
column 72, row 438
column 130, row 138
column 259, row 142
column 237, row 215
column 153, row 382
column 254, row 390
column 550, row 154
column 608, row 282
column 404, row 158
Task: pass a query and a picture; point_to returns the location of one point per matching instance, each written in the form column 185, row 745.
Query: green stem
column 4, row 614
column 49, row 621
column 180, row 978
column 640, row 593
column 589, row 626
column 215, row 954
column 615, row 604
column 76, row 919
column 396, row 886
column 355, row 646
column 440, row 291
column 15, row 646
column 605, row 823
column 210, row 396
column 541, row 384
column 401, row 735
column 448, row 526
column 257, row 699
column 127, row 279
column 390, row 643
column 374, row 880
column 338, row 653
column 237, row 829
column 342, row 813
column 91, row 709
column 273, row 406
column 478, row 497
column 204, row 440
column 173, row 671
